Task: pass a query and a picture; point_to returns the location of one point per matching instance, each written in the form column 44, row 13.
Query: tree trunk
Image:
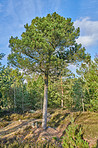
column 83, row 105
column 22, row 101
column 44, row 121
column 41, row 104
column 14, row 98
column 62, row 92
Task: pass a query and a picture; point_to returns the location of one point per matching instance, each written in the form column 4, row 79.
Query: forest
column 38, row 84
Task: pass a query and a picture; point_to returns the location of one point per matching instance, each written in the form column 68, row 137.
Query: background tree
column 1, row 56
column 8, row 79
column 35, row 87
column 78, row 94
column 59, row 90
column 47, row 43
column 89, row 75
column 4, row 83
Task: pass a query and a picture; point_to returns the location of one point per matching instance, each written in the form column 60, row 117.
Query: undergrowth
column 74, row 137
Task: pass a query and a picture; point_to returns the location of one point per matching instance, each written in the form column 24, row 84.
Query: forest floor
column 27, row 127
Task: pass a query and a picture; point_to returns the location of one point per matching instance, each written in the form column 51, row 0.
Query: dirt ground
column 28, row 129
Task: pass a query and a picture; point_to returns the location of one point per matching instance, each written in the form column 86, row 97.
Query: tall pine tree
column 45, row 47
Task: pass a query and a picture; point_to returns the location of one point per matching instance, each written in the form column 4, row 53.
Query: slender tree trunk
column 14, row 98
column 83, row 105
column 44, row 121
column 41, row 104
column 22, row 100
column 62, row 92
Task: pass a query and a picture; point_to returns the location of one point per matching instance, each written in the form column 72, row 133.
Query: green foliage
column 18, row 95
column 14, row 93
column 74, row 137
column 5, row 83
column 77, row 94
column 0, row 95
column 67, row 96
column 35, row 86
column 1, row 56
column 55, row 88
column 47, row 43
column 9, row 80
column 54, row 94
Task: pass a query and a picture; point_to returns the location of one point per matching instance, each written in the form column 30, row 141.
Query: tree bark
column 44, row 121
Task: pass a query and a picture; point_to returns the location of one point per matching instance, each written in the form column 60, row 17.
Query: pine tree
column 45, row 47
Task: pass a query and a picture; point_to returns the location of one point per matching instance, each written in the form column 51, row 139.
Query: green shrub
column 74, row 137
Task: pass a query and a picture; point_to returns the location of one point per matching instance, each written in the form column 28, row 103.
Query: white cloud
column 72, row 67
column 88, row 31
column 86, row 40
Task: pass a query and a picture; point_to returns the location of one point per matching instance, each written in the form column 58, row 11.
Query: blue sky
column 14, row 14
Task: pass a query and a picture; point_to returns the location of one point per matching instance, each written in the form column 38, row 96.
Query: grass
column 3, row 124
column 27, row 115
column 57, row 117
column 89, row 121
